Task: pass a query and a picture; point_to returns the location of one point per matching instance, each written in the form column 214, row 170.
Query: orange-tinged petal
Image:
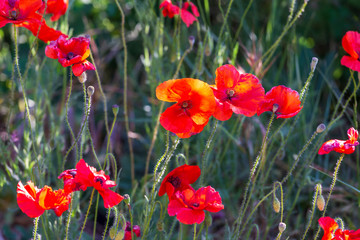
column 226, row 77
column 26, row 199
column 175, row 119
column 329, row 225
column 223, row 111
column 172, row 90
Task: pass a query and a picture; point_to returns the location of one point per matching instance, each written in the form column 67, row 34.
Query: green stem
column 96, row 213
column 131, row 221
column 242, row 21
column 337, row 167
column 87, row 212
column 108, row 140
column 36, row 223
column 312, row 210
column 194, row 231
column 107, row 223
column 68, row 219
column 204, row 153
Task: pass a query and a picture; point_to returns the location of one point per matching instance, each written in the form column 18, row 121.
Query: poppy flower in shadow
column 136, row 230
column 85, row 176
column 33, row 201
column 236, row 93
column 73, row 51
column 341, row 146
column 170, row 10
column 195, row 104
column 287, row 102
column 189, row 205
column 55, row 7
column 179, row 179
column 23, row 13
column 351, row 44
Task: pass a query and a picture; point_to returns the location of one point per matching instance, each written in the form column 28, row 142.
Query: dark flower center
column 230, row 93
column 195, row 204
column 70, row 56
column 186, row 104
column 175, row 181
column 100, row 180
column 12, row 3
column 14, row 14
column 72, row 173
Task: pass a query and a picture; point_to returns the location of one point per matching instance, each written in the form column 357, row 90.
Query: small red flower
column 287, row 100
column 55, row 7
column 235, row 92
column 85, row 176
column 189, row 206
column 33, row 201
column 170, row 10
column 341, row 146
column 136, row 230
column 23, row 13
column 73, row 51
column 351, row 44
column 329, row 225
column 179, row 179
column 195, row 104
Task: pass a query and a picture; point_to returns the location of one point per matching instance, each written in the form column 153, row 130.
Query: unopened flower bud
column 83, row 77
column 275, row 107
column 90, row 90
column 191, row 41
column 320, row 202
column 112, row 232
column 115, row 109
column 127, row 199
column 120, row 235
column 320, row 128
column 208, row 219
column 282, row 227
column 276, row 205
column 313, row 64
column 160, row 225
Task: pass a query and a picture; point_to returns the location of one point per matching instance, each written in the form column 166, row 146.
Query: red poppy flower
column 170, row 10
column 347, row 234
column 351, row 44
column 73, row 51
column 287, row 100
column 55, row 7
column 136, row 230
column 189, row 206
column 341, row 146
column 235, row 92
column 195, row 103
column 329, row 225
column 23, row 13
column 33, row 201
column 85, row 176
column 179, row 179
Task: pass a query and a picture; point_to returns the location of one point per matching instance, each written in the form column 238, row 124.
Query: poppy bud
column 82, row 78
column 127, row 199
column 320, row 202
column 191, row 41
column 90, row 90
column 282, row 227
column 160, row 225
column 276, row 205
column 320, row 128
column 120, row 235
column 208, row 219
column 112, row 232
column 275, row 107
column 313, row 64
column 115, row 109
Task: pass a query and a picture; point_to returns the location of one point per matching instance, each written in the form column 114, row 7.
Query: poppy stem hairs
column 87, row 212
column 36, row 224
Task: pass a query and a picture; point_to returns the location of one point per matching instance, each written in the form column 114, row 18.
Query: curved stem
column 108, row 140
column 204, row 153
column 312, row 210
column 87, row 212
column 337, row 167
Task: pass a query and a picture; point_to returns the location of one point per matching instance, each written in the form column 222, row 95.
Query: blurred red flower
column 235, row 92
column 170, row 10
column 136, row 230
column 329, row 225
column 341, row 146
column 195, row 104
column 351, row 44
column 179, row 179
column 287, row 100
column 23, row 13
column 55, row 7
column 189, row 206
column 85, row 176
column 33, row 201
column 73, row 51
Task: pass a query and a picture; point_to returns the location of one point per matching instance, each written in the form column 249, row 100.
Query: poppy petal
column 350, row 62
column 175, row 119
column 26, row 199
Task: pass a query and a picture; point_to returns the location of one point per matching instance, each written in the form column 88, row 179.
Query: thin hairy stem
column 87, row 212
column 107, row 223
column 204, row 153
column 194, row 231
column 36, row 224
column 68, row 218
column 312, row 210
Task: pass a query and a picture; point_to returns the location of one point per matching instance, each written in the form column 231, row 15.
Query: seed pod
column 83, row 77
column 282, row 227
column 90, row 90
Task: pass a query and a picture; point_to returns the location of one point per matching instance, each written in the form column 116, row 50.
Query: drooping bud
column 282, row 227
column 120, row 235
column 320, row 128
column 83, row 77
column 90, row 90
column 276, row 204
column 112, row 232
column 313, row 63
column 275, row 107
column 191, row 41
column 115, row 109
column 127, row 199
column 160, row 225
column 320, row 202
column 208, row 219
